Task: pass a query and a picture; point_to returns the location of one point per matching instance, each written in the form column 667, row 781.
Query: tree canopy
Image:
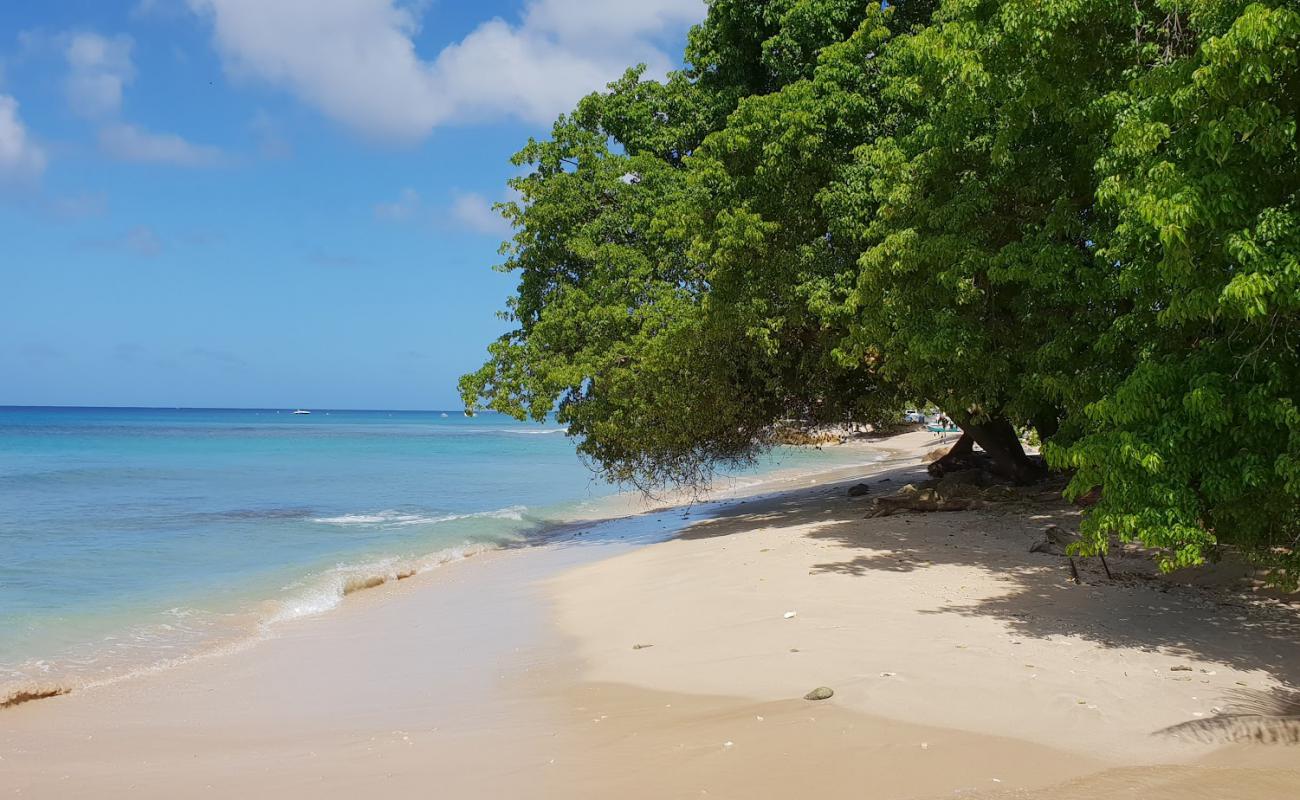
column 1076, row 217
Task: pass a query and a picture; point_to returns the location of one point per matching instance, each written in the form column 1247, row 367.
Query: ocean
column 133, row 538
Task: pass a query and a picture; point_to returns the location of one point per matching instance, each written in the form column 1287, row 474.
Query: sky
column 276, row 203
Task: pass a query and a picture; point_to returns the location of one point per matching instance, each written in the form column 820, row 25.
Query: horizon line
column 234, row 408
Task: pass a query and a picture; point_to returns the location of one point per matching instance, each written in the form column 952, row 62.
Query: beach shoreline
column 662, row 666
column 161, row 633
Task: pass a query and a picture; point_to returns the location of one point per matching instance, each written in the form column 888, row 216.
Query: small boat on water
column 301, row 411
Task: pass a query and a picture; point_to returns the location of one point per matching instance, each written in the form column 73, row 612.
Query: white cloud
column 20, row 157
column 405, row 208
column 469, row 211
column 475, row 213
column 356, row 60
column 610, row 22
column 129, row 143
column 99, row 68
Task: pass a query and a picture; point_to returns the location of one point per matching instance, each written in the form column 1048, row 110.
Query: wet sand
column 961, row 663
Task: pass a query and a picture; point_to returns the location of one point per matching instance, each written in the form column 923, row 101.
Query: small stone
column 1180, row 668
column 789, row 615
column 641, row 646
column 859, row 490
column 820, row 693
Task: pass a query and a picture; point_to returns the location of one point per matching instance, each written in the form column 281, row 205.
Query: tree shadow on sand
column 1136, row 609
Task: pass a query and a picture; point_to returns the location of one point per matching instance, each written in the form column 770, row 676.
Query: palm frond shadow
column 1250, row 716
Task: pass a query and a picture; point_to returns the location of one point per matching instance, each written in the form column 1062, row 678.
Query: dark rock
column 858, row 490
column 820, row 693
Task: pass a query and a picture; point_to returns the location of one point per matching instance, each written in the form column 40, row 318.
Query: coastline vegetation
column 1079, row 218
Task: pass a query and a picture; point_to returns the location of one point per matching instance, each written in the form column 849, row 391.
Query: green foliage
column 1078, row 217
column 1199, row 442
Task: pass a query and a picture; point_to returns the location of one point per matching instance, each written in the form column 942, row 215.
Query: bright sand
column 961, row 663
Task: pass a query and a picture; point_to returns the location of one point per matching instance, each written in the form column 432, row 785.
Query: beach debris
column 728, row 744
column 888, row 674
column 925, row 745
column 859, row 490
column 820, row 693
column 929, row 496
column 404, row 574
column 28, row 695
column 1054, row 541
column 790, row 614
column 641, row 646
column 1180, row 668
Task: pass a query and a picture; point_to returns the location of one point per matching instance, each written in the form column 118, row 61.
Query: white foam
column 400, row 519
column 325, row 591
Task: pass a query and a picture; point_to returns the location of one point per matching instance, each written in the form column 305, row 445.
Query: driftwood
column 956, row 491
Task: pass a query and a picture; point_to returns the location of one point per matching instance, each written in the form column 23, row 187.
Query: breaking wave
column 400, row 519
column 325, row 591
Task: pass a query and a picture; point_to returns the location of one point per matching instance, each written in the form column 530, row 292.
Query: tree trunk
column 997, row 438
column 958, row 457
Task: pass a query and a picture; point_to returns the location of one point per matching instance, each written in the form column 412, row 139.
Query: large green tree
column 979, row 286
column 1199, row 442
column 618, row 329
column 1072, row 216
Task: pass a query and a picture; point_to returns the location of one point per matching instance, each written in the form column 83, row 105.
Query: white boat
column 301, row 411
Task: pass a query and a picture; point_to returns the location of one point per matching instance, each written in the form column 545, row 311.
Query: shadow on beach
column 1188, row 614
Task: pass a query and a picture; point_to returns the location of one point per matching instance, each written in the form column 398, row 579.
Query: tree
column 1199, row 443
column 1078, row 217
column 618, row 329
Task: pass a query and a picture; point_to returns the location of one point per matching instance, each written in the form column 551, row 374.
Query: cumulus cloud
column 20, row 157
column 356, row 60
column 475, row 212
column 129, row 143
column 99, row 68
column 469, row 211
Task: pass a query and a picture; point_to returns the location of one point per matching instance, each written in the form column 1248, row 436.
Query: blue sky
column 276, row 202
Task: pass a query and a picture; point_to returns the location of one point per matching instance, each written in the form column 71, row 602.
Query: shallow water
column 129, row 537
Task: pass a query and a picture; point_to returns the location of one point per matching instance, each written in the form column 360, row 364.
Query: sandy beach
column 962, row 664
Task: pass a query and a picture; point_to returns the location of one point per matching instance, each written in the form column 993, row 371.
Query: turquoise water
column 129, row 537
